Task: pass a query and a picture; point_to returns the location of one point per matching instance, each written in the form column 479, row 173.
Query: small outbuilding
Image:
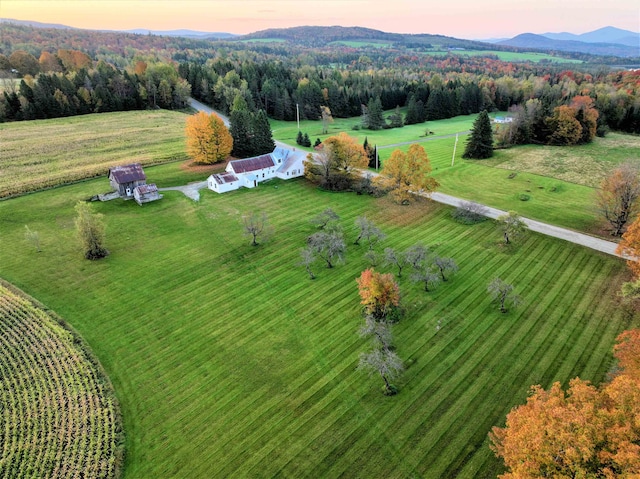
column 223, row 182
column 146, row 193
column 125, row 178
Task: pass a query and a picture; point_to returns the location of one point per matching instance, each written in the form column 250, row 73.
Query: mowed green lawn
column 287, row 131
column 44, row 153
column 229, row 362
column 490, row 182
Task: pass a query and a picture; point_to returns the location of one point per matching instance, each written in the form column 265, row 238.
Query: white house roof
column 222, row 178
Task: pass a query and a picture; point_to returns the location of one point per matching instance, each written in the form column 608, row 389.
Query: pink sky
column 456, row 18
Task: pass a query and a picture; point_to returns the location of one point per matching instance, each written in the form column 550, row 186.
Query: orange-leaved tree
column 583, row 432
column 630, row 247
column 617, row 198
column 208, row 139
column 379, row 292
column 336, row 163
column 627, row 352
column 404, row 173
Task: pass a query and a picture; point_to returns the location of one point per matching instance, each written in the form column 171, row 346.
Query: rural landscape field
column 344, row 322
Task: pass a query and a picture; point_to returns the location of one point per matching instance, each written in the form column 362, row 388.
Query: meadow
column 506, row 56
column 43, row 153
column 229, row 361
column 287, row 131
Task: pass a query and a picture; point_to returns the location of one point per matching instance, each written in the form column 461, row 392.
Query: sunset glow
column 461, row 18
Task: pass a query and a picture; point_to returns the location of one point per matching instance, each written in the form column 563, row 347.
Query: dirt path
column 597, row 244
column 192, row 190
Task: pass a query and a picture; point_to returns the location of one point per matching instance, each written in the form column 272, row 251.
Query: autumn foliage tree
column 336, row 163
column 379, row 293
column 617, row 198
column 583, row 432
column 404, row 173
column 208, row 139
column 629, row 247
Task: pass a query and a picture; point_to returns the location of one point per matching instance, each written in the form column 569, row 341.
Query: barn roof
column 145, row 189
column 252, row 164
column 127, row 173
column 223, row 178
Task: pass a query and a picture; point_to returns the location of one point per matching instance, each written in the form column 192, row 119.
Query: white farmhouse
column 280, row 163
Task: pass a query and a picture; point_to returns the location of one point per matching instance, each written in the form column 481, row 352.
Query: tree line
column 98, row 89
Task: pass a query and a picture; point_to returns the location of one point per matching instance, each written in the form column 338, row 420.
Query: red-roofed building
column 249, row 172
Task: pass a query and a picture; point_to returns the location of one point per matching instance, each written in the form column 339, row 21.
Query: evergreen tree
column 318, row 142
column 262, row 135
column 375, row 118
column 240, row 129
column 396, row 119
column 305, row 140
column 299, row 138
column 412, row 117
column 480, row 142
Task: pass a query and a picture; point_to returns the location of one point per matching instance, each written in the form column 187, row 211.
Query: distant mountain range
column 609, row 41
column 139, row 31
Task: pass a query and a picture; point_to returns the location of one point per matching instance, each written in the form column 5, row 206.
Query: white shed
column 223, row 182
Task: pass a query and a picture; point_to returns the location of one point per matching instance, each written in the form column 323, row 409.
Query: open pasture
column 548, row 197
column 506, row 56
column 361, row 44
column 229, row 361
column 40, row 154
column 584, row 165
column 287, row 131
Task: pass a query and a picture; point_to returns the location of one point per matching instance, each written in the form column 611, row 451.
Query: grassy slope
column 560, row 181
column 507, row 56
column 229, row 361
column 43, row 153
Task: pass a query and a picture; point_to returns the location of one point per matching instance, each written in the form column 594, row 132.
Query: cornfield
column 59, row 418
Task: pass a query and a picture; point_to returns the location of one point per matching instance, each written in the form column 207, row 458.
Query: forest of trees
column 128, row 72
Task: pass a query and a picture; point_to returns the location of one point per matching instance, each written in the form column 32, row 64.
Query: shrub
column 469, row 213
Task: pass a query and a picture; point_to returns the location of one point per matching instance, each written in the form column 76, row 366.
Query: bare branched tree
column 369, row 232
column 255, row 225
column 395, row 258
column 307, row 258
column 503, row 293
column 385, row 363
column 426, row 274
column 445, row 265
column 379, row 331
column 328, row 245
column 512, row 226
column 321, row 220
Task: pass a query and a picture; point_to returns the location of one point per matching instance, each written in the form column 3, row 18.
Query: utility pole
column 377, row 159
column 298, row 116
column 454, row 150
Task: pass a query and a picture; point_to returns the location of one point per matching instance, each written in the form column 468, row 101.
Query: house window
column 263, row 175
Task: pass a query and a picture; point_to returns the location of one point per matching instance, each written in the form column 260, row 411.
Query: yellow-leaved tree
column 208, row 139
column 583, row 432
column 404, row 173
